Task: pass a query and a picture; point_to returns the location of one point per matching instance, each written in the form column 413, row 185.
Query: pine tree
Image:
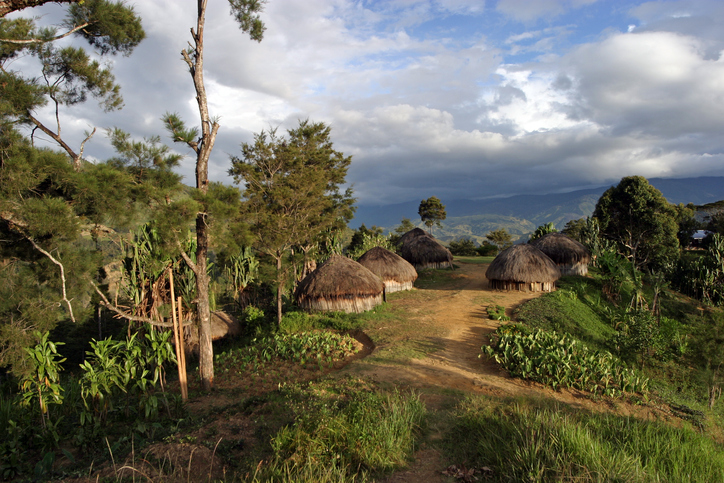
column 292, row 190
column 68, row 75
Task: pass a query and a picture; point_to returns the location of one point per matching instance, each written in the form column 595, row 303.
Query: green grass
column 344, row 431
column 541, row 441
column 570, row 310
column 436, row 279
column 474, row 260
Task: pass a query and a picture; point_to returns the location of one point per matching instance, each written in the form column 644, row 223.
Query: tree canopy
column 501, row 238
column 637, row 217
column 68, row 75
column 432, row 212
column 292, row 193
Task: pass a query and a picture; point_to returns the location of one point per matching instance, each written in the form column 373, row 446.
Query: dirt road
column 448, row 327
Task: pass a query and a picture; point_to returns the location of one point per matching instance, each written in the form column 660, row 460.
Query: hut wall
column 350, row 305
column 436, row 265
column 522, row 286
column 393, row 286
column 576, row 269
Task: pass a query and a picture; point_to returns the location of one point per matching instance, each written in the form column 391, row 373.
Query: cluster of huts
column 537, row 265
column 341, row 284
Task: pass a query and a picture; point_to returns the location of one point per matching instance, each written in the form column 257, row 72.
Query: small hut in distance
column 571, row 256
column 524, row 268
column 396, row 273
column 340, row 284
column 424, row 251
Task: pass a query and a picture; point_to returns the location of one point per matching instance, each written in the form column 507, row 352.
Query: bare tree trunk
column 209, row 129
column 280, row 288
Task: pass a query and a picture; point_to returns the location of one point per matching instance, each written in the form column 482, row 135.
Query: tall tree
column 292, row 190
column 246, row 13
column 501, row 238
column 637, row 217
column 68, row 75
column 432, row 212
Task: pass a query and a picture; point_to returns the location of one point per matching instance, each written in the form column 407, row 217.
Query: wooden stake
column 181, row 345
column 176, row 324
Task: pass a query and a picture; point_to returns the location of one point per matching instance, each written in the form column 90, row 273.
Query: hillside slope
column 521, row 214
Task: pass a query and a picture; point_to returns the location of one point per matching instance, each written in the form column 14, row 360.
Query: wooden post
column 181, row 345
column 176, row 324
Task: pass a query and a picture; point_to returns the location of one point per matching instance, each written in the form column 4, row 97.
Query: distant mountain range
column 522, row 214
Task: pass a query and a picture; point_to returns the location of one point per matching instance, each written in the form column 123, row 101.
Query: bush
column 463, row 248
column 487, row 249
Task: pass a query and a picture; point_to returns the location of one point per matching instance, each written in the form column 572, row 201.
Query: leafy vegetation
column 322, row 348
column 497, row 312
column 559, row 361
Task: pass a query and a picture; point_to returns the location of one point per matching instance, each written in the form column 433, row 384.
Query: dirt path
column 456, row 313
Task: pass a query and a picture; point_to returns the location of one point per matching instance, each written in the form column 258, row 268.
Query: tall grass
column 346, row 437
column 538, row 441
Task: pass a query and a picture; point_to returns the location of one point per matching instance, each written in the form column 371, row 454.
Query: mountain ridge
column 521, row 214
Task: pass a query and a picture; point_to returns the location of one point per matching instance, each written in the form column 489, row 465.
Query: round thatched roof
column 562, row 249
column 388, row 265
column 523, row 263
column 339, row 278
column 425, row 251
column 414, row 233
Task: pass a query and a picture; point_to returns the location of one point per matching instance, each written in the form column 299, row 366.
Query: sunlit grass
column 524, row 440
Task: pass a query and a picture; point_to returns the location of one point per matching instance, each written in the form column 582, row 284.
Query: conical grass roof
column 426, row 252
column 396, row 272
column 340, row 284
column 523, row 267
column 562, row 249
column 414, row 233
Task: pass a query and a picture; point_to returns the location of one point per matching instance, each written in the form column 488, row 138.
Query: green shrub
column 487, row 249
column 559, row 361
column 296, row 322
column 463, row 247
column 497, row 312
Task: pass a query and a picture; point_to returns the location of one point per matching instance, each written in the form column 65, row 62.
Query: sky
column 459, row 99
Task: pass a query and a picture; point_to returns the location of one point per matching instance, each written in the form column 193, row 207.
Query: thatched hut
column 571, row 256
column 523, row 267
column 222, row 325
column 426, row 252
column 414, row 233
column 340, row 284
column 394, row 271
